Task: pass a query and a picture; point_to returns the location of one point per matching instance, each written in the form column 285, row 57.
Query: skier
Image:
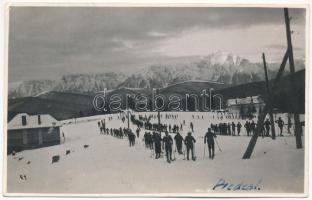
column 63, row 136
column 267, row 127
column 131, row 137
column 209, row 138
column 280, row 124
column 239, row 126
column 157, row 142
column 146, row 139
column 253, row 127
column 247, row 127
column 189, row 143
column 233, row 129
column 289, row 125
column 138, row 132
column 149, row 139
column 229, row 128
column 178, row 140
column 103, row 124
column 192, row 126
column 167, row 143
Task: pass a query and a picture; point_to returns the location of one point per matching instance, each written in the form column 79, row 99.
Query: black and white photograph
column 165, row 101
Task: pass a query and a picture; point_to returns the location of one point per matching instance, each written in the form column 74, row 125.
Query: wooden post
column 254, row 137
column 292, row 78
column 128, row 109
column 128, row 112
column 288, row 55
column 157, row 92
column 269, row 99
column 280, row 71
column 261, row 117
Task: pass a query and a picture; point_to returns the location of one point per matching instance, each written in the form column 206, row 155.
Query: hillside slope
column 64, row 105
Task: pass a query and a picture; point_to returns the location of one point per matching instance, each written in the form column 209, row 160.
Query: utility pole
column 210, row 95
column 261, row 117
column 128, row 112
column 157, row 92
column 288, row 55
column 292, row 78
column 269, row 99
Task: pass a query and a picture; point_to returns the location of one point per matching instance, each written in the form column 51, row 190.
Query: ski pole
column 174, row 152
column 194, row 152
column 218, row 145
column 152, row 150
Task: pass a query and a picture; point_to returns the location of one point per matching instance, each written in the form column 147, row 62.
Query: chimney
column 39, row 119
column 24, row 122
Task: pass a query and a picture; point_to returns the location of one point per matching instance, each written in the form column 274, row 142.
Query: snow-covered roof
column 197, row 81
column 247, row 100
column 32, row 121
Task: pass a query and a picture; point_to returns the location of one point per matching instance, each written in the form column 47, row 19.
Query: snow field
column 109, row 165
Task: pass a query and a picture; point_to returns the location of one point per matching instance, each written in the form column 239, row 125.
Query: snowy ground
column 109, row 165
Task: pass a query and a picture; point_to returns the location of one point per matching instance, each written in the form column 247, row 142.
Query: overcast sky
column 46, row 43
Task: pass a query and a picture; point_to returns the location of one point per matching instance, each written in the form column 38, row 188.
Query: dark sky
column 48, row 42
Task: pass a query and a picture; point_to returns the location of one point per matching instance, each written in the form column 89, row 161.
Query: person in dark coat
column 209, row 138
column 138, row 132
column 280, row 124
column 146, row 139
column 149, row 140
column 157, row 143
column 189, row 143
column 178, row 140
column 289, row 125
column 167, row 143
column 233, row 128
column 267, row 125
column 247, row 127
column 253, row 127
column 131, row 137
column 192, row 126
column 229, row 128
column 239, row 126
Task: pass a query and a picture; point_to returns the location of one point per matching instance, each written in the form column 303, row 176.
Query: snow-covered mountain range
column 221, row 67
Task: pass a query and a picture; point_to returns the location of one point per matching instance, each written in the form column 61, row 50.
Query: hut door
column 33, row 138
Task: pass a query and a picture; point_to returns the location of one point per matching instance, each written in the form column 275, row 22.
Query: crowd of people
column 159, row 144
column 154, row 141
column 221, row 128
column 119, row 133
column 250, row 128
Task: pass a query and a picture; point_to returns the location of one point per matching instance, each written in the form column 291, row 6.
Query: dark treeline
column 64, row 105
